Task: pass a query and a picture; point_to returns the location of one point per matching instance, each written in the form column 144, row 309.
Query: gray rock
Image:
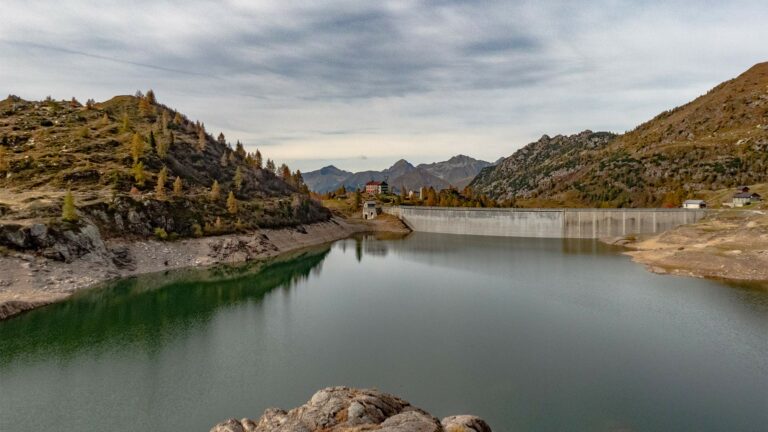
column 465, row 423
column 337, row 409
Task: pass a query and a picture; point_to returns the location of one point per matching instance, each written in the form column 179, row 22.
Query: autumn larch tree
column 137, row 147
column 162, row 177
column 224, row 159
column 138, row 173
column 68, row 212
column 125, row 123
column 231, row 203
column 215, row 191
column 285, row 174
column 238, row 180
column 177, row 187
column 201, row 139
column 163, row 144
column 145, row 108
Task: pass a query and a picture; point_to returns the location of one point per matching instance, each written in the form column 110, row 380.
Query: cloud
column 422, row 80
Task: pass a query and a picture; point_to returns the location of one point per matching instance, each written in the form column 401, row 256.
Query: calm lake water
column 532, row 335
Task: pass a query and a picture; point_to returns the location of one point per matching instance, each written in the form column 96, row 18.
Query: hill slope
column 111, row 154
column 718, row 140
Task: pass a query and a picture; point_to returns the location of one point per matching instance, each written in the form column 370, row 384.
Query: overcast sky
column 361, row 84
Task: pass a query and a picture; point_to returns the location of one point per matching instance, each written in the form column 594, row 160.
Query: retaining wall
column 549, row 223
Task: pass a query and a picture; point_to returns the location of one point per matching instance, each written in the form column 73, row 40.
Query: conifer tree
column 285, row 173
column 224, row 159
column 152, row 142
column 162, row 177
column 358, row 198
column 201, row 140
column 270, row 165
column 68, row 212
column 105, row 120
column 215, row 191
column 257, row 159
column 162, row 146
column 177, row 187
column 137, row 147
column 4, row 163
column 125, row 123
column 144, row 107
column 150, row 97
column 231, row 203
column 221, row 139
column 178, row 120
column 238, row 179
column 138, row 173
column 240, row 150
column 164, row 122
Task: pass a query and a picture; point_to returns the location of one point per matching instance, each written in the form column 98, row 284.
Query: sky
column 361, row 84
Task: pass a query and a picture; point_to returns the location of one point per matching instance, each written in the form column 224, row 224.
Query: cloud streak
column 330, row 80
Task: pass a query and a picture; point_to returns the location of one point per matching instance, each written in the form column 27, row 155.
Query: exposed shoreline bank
column 28, row 281
column 726, row 246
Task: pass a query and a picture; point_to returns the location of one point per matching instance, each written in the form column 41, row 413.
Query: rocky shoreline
column 337, row 409
column 29, row 280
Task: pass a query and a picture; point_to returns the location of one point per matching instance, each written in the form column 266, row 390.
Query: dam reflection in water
column 531, row 334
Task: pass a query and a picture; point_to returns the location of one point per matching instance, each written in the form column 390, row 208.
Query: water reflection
column 144, row 311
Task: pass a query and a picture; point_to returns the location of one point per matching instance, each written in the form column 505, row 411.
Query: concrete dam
column 544, row 223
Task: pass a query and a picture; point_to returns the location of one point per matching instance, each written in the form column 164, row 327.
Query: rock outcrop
column 337, row 409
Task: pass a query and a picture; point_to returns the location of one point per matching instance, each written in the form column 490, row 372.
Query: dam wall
column 544, row 223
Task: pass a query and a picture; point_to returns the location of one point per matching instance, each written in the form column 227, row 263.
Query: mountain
column 718, row 140
column 326, row 178
column 110, row 155
column 457, row 171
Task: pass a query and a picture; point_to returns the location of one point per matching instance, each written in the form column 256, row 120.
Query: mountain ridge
column 457, row 171
column 718, row 140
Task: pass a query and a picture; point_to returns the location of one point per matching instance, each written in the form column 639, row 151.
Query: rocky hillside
column 458, row 171
column 718, row 140
column 338, row 409
column 134, row 167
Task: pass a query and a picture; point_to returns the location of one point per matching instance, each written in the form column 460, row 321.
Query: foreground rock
column 337, row 409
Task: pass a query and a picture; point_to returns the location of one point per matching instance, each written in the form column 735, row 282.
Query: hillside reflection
column 144, row 311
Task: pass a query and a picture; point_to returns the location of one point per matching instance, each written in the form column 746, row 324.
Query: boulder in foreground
column 337, row 409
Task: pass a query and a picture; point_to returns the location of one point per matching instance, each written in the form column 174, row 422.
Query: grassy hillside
column 719, row 140
column 111, row 156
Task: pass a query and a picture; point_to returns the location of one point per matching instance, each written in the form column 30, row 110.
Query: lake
column 530, row 334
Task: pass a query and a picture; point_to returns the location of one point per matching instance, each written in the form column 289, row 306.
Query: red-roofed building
column 376, row 187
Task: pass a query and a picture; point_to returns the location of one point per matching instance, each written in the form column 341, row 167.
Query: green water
column 532, row 335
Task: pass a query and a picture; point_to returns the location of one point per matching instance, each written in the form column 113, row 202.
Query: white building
column 695, row 204
column 369, row 210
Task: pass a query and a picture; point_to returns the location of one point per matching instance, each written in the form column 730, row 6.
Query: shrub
column 161, row 234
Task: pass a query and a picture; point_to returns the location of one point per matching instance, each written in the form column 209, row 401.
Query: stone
column 465, row 423
column 342, row 409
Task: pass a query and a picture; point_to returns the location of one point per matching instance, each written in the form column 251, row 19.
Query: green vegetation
column 68, row 212
column 117, row 157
